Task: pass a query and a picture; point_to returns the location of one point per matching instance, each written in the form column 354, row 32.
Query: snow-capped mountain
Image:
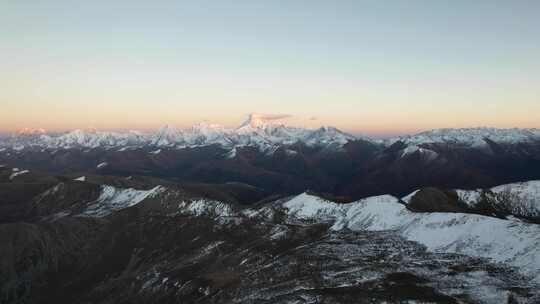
column 503, row 241
column 425, row 143
column 263, row 132
column 518, row 199
column 86, row 139
column 470, row 137
column 31, row 131
column 257, row 131
column 509, row 241
column 165, row 238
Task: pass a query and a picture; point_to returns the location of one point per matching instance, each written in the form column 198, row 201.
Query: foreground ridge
column 171, row 244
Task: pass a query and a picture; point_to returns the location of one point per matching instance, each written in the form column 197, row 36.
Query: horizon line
column 382, row 134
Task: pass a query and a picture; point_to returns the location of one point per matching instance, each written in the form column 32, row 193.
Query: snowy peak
column 31, row 131
column 471, row 137
column 330, row 135
column 260, row 120
column 259, row 130
column 263, row 132
column 165, row 136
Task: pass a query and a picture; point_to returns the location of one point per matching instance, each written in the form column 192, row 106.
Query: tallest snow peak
column 256, row 120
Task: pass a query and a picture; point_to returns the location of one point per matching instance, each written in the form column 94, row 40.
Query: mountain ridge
column 263, row 132
column 255, row 131
column 126, row 242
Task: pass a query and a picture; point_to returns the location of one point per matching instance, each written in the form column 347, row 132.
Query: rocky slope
column 518, row 201
column 141, row 242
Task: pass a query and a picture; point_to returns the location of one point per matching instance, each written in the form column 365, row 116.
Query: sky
column 368, row 67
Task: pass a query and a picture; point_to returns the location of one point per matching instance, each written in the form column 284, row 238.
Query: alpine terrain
column 266, row 213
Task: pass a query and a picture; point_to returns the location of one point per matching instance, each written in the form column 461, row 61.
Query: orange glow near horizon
column 153, row 96
column 360, row 67
column 353, row 105
column 375, row 123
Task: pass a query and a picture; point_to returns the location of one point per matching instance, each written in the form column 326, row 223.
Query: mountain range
column 289, row 160
column 267, row 213
column 256, row 131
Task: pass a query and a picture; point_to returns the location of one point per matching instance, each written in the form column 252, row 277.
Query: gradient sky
column 373, row 67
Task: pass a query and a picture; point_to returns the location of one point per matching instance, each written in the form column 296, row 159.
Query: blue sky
column 364, row 66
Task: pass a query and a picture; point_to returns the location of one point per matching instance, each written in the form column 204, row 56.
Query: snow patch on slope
column 17, row 172
column 204, row 207
column 407, row 199
column 527, row 193
column 114, row 199
column 518, row 198
column 427, row 154
column 510, row 242
column 306, row 206
column 469, row 197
